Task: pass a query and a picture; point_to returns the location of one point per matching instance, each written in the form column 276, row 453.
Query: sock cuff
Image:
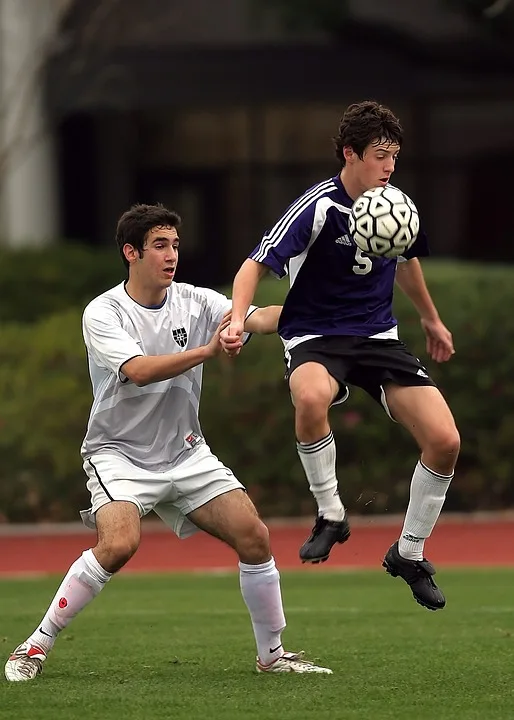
column 257, row 569
column 94, row 566
column 437, row 476
column 316, row 446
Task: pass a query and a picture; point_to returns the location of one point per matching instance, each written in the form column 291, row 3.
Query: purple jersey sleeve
column 289, row 237
column 420, row 248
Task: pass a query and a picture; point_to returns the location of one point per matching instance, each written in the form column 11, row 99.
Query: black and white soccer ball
column 384, row 221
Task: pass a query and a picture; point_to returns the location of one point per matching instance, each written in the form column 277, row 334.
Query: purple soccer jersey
column 335, row 288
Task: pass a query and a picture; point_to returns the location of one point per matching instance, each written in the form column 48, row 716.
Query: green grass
column 180, row 646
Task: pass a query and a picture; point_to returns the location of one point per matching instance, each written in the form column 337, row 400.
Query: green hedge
column 248, row 418
column 58, row 277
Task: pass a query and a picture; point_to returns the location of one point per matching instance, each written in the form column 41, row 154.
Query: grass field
column 180, row 646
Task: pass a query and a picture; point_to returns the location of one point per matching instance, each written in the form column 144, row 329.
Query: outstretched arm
column 288, row 238
column 410, row 279
column 243, row 291
column 244, row 288
column 146, row 369
column 263, row 321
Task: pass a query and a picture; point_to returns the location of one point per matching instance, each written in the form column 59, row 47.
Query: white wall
column 28, row 180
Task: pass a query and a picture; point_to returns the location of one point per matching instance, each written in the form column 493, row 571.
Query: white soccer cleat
column 292, row 662
column 25, row 663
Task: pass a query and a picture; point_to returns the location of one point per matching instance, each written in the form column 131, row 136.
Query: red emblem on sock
column 62, row 603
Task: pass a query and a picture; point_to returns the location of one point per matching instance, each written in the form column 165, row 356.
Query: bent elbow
column 136, row 371
column 136, row 378
column 140, row 382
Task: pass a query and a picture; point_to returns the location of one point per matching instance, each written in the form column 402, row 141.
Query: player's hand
column 214, row 346
column 232, row 338
column 439, row 340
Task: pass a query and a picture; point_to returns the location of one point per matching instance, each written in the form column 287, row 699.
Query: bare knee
column 311, row 413
column 119, row 530
column 313, row 390
column 114, row 553
column 312, row 401
column 442, row 451
column 446, row 444
column 252, row 543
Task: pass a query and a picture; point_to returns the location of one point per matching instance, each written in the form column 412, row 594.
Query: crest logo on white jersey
column 180, row 337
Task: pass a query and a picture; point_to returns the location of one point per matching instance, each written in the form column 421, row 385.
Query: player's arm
column 410, row 279
column 113, row 348
column 147, row 369
column 244, row 288
column 263, row 321
column 288, row 238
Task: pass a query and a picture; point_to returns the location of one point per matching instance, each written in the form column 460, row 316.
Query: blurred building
column 215, row 110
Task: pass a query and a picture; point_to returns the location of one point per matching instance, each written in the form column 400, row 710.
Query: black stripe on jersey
column 249, row 334
column 101, row 483
column 120, row 371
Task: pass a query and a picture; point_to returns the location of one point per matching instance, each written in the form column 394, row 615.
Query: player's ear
column 349, row 154
column 130, row 252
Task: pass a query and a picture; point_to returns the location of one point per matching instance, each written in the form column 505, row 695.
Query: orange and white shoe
column 25, row 663
column 292, row 662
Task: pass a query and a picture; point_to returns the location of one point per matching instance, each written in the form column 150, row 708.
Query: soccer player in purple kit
column 338, row 329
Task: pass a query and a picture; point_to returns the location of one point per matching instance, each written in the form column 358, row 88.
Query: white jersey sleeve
column 106, row 340
column 219, row 304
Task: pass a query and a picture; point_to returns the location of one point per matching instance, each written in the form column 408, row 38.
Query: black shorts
column 367, row 363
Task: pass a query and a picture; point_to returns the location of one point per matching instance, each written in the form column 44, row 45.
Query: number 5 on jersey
column 363, row 263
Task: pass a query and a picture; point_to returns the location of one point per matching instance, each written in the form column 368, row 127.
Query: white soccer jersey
column 153, row 426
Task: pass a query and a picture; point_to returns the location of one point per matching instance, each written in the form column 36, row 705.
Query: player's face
column 158, row 264
column 377, row 164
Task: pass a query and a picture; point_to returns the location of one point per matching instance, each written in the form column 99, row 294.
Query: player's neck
column 351, row 184
column 148, row 297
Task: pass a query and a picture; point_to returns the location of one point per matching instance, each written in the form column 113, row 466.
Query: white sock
column 319, row 463
column 427, row 495
column 85, row 578
column 260, row 588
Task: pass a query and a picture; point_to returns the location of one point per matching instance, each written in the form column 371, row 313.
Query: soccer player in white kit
column 147, row 339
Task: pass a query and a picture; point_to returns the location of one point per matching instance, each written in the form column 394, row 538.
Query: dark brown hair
column 134, row 225
column 364, row 123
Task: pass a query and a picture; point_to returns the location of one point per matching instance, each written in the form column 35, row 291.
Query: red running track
column 462, row 543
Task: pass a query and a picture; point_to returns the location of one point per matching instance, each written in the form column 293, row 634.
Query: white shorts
column 172, row 494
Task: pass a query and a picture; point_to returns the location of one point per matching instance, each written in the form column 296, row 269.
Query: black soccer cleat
column 418, row 574
column 325, row 534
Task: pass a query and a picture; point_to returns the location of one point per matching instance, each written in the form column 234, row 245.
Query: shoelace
column 298, row 659
column 318, row 525
column 26, row 667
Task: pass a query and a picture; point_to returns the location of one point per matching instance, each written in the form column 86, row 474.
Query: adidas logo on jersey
column 422, row 373
column 344, row 240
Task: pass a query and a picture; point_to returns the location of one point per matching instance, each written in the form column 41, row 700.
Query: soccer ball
column 384, row 221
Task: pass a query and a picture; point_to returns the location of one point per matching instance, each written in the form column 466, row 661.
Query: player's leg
column 424, row 412
column 232, row 517
column 397, row 380
column 117, row 524
column 313, row 390
column 118, row 539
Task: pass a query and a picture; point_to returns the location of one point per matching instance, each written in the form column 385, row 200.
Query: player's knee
column 253, row 546
column 116, row 552
column 446, row 445
column 312, row 402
